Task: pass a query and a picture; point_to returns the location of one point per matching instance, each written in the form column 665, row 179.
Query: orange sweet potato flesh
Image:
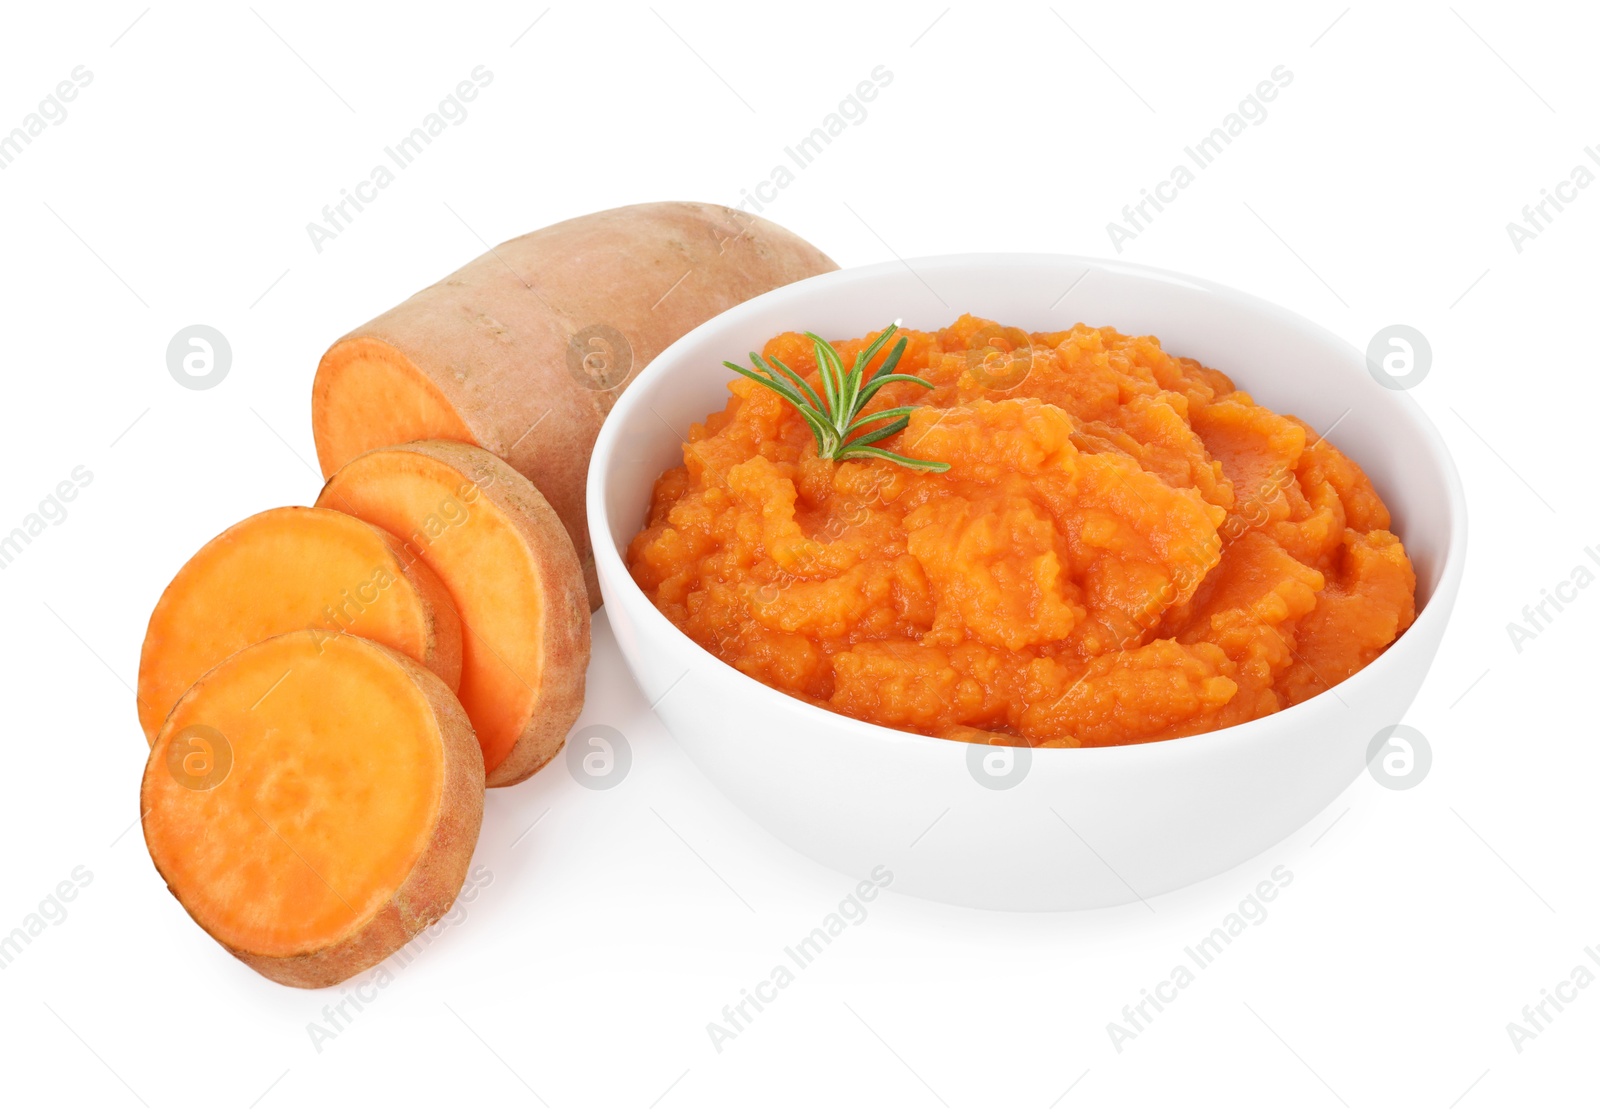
column 313, row 803
column 287, row 569
column 513, row 576
column 1125, row 548
column 524, row 350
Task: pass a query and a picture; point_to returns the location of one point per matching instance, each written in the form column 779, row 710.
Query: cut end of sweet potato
column 287, row 569
column 513, row 574
column 313, row 803
column 368, row 394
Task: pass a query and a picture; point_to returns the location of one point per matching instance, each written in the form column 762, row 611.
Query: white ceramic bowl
column 1081, row 828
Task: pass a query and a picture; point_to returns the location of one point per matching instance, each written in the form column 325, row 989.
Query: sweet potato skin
column 502, row 340
column 436, row 877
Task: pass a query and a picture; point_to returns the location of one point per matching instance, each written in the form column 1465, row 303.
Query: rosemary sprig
column 835, row 416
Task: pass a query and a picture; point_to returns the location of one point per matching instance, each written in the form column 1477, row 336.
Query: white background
column 177, row 191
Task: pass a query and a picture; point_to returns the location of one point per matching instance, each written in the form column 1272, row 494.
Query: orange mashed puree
column 1125, row 547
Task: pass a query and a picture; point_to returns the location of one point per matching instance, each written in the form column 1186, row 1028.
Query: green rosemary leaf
column 818, row 430
column 876, row 452
column 890, row 361
column 880, row 381
column 827, row 360
column 801, row 382
column 877, row 435
column 841, row 410
column 876, row 416
column 871, row 350
column 863, row 358
column 775, row 385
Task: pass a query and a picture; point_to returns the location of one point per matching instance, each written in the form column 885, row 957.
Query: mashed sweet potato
column 1125, row 548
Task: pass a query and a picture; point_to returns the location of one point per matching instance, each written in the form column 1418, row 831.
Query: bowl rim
column 1281, row 722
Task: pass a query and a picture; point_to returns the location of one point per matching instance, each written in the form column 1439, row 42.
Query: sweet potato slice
column 524, row 350
column 514, row 577
column 287, row 569
column 313, row 803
